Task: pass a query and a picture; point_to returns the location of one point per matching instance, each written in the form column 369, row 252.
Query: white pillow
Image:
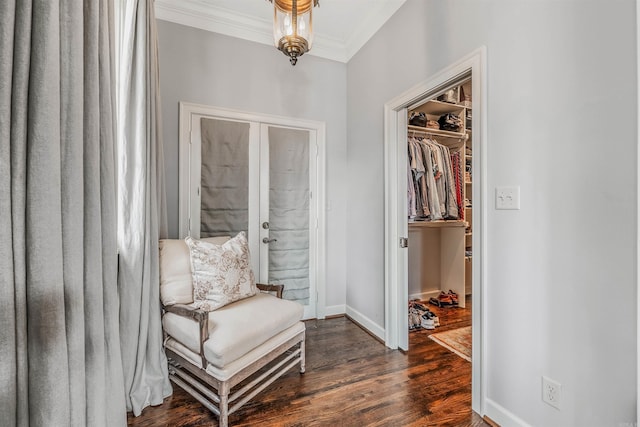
column 221, row 273
column 175, row 270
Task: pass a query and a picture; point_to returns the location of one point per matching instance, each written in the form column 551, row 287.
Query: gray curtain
column 141, row 206
column 60, row 361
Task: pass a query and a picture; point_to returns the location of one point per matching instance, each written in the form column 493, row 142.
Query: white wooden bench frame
column 217, row 394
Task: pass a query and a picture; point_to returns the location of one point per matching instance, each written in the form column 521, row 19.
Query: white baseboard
column 503, row 416
column 335, row 310
column 424, row 296
column 366, row 323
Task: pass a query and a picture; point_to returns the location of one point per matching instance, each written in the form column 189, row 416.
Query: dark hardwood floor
column 351, row 380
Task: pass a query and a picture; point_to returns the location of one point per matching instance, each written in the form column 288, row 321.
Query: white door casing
column 189, row 188
column 396, row 227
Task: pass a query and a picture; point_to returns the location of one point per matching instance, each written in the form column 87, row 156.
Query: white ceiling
column 341, row 27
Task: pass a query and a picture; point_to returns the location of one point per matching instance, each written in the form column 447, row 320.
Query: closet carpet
column 351, row 380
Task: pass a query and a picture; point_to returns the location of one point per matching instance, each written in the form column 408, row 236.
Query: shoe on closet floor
column 445, row 299
column 427, row 322
column 454, row 297
column 432, row 316
column 415, row 320
column 436, row 319
column 417, row 305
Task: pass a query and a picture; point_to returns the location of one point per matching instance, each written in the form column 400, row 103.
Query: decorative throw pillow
column 221, row 273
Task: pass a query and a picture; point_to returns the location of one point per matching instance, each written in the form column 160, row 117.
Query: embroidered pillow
column 221, row 273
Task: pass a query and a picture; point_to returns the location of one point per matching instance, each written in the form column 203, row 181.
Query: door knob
column 268, row 240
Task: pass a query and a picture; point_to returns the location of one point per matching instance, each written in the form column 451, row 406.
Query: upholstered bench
column 252, row 341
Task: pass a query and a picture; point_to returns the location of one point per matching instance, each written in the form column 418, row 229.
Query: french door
column 287, row 223
column 261, row 178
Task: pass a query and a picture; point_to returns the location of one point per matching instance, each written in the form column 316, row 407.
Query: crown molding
column 206, row 16
column 199, row 14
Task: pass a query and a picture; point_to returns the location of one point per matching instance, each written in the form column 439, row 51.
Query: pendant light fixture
column 293, row 26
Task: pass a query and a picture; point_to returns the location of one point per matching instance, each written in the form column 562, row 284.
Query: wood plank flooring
column 351, row 380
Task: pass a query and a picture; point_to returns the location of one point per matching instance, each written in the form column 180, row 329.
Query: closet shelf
column 435, row 132
column 438, row 108
column 437, row 224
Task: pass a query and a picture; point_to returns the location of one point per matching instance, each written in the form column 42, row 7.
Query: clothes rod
column 427, row 133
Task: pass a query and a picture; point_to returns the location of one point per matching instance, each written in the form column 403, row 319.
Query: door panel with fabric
column 224, row 177
column 224, row 188
column 288, row 251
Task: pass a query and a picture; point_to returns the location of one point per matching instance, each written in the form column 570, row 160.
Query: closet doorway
column 451, row 238
column 262, row 175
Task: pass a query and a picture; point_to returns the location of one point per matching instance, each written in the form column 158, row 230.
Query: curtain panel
column 60, row 356
column 141, row 205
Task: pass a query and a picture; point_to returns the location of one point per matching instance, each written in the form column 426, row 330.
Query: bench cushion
column 237, row 328
column 231, row 369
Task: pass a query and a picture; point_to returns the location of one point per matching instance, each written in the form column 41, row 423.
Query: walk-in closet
column 439, row 205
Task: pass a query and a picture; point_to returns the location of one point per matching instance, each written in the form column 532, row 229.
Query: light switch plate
column 507, row 197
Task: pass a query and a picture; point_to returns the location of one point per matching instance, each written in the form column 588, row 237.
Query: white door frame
column 189, row 110
column 395, row 152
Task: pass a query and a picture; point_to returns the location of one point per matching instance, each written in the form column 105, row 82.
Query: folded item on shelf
column 432, row 124
column 450, row 122
column 450, row 96
column 465, row 95
column 418, row 119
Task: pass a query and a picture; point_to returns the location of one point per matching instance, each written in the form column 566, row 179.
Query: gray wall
column 561, row 283
column 207, row 68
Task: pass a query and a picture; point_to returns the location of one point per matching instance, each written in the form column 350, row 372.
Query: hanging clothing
column 451, row 204
column 411, row 193
column 433, row 190
column 457, row 172
column 430, row 199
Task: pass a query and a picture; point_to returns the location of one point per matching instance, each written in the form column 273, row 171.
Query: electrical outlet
column 507, row 197
column 551, row 391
